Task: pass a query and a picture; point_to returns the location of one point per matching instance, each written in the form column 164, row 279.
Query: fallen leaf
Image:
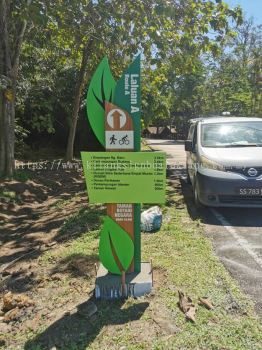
column 8, row 302
column 186, row 305
column 12, row 315
column 12, row 301
column 191, row 313
column 207, row 303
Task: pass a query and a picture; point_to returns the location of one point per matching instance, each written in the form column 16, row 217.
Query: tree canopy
column 199, row 57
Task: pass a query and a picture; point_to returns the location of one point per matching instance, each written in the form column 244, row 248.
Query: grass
column 85, row 245
column 86, row 219
column 182, row 250
column 20, row 175
column 8, row 196
column 183, row 259
column 23, row 175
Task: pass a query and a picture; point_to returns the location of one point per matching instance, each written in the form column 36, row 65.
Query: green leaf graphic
column 123, row 99
column 101, row 89
column 115, row 240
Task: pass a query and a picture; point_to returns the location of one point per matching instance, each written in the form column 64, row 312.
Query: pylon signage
column 122, row 174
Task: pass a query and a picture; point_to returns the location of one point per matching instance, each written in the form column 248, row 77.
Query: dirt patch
column 33, row 215
column 32, row 220
column 49, row 297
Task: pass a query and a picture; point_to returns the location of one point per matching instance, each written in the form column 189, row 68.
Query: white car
column 224, row 161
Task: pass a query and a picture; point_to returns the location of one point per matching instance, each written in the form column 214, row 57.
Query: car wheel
column 188, row 181
column 198, row 204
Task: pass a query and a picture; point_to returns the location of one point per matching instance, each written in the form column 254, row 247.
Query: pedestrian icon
column 119, row 139
column 113, row 140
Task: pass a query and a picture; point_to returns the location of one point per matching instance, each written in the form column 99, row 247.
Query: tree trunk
column 8, row 74
column 76, row 102
column 7, row 159
column 2, row 143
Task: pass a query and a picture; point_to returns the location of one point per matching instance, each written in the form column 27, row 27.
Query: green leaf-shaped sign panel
column 115, row 242
column 128, row 96
column 101, row 89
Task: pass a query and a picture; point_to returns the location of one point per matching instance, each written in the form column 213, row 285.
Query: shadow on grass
column 86, row 219
column 174, row 195
column 77, row 265
column 77, row 331
column 24, row 209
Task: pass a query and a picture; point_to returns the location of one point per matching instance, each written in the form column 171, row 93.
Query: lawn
column 67, row 317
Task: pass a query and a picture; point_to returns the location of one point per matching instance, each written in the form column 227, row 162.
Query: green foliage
column 157, row 95
column 230, row 82
column 21, row 135
column 45, row 91
column 173, row 37
column 233, row 82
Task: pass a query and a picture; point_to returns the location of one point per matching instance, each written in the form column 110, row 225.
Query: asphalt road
column 236, row 233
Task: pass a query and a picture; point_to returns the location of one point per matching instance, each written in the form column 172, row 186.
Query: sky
column 252, row 8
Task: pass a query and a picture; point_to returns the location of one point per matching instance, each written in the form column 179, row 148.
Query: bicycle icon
column 124, row 141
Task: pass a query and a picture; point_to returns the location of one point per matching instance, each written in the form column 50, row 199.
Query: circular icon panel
column 113, row 115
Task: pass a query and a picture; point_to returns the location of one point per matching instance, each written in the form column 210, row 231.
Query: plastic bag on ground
column 151, row 219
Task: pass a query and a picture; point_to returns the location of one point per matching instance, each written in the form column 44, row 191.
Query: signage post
column 123, row 177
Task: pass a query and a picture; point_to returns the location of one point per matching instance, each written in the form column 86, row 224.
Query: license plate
column 249, row 191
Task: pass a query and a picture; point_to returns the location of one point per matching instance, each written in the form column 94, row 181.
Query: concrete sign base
column 108, row 286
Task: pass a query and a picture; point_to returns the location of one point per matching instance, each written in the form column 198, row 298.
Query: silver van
column 224, row 161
